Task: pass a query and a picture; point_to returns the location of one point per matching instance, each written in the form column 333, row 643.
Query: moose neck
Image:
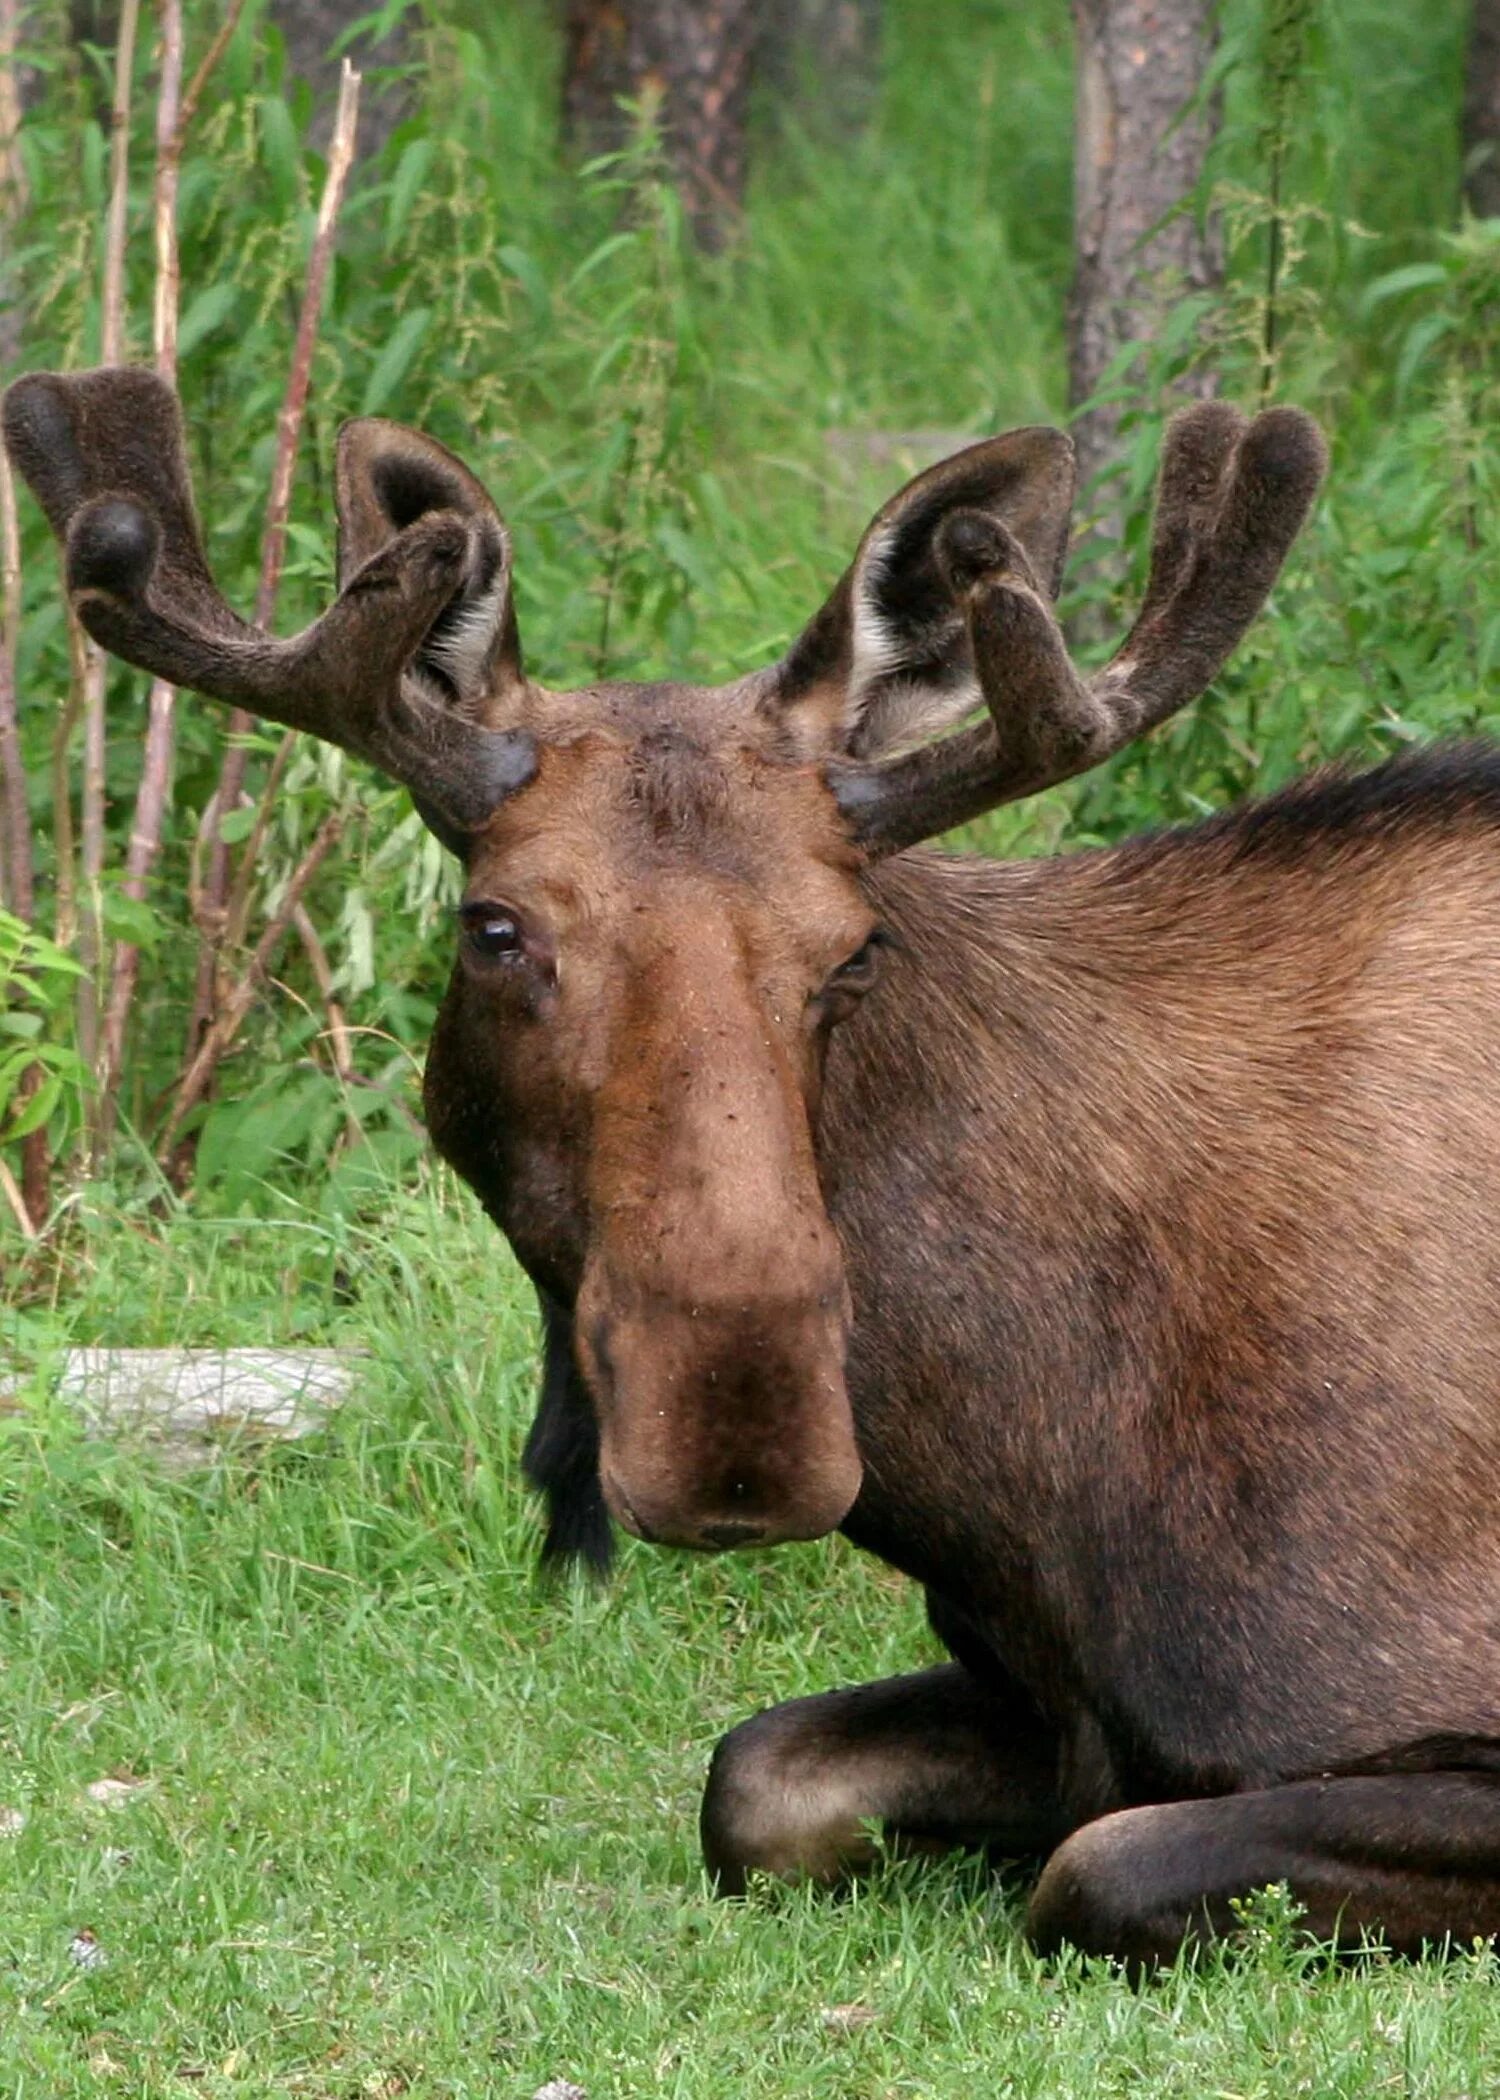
column 1020, row 1137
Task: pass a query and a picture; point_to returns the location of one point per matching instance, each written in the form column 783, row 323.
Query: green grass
column 414, row 1823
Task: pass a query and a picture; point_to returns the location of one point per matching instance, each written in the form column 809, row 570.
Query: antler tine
column 1232, row 497
column 104, row 454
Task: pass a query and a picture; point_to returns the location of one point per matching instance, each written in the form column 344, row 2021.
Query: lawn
column 392, row 1817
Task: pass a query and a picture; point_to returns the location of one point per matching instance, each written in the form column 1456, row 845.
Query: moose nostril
column 727, row 1535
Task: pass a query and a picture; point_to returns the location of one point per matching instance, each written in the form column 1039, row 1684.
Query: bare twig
column 156, row 762
column 17, row 1202
column 338, row 1025
column 13, row 196
column 112, row 316
column 111, row 352
column 12, row 171
column 17, row 879
column 64, row 845
column 238, row 1001
column 204, row 74
column 17, row 876
column 214, row 909
column 336, row 1034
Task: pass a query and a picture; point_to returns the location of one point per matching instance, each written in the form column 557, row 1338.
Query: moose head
column 668, row 895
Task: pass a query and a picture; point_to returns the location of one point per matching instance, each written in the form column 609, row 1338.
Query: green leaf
column 395, row 360
column 1410, row 279
column 38, row 1108
column 1429, row 330
column 127, row 919
column 280, row 150
column 25, row 1025
column 212, row 306
column 235, row 828
column 532, row 279
column 411, row 173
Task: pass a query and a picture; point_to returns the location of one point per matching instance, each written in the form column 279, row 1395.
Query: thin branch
column 338, row 1025
column 238, row 1001
column 156, row 762
column 111, row 352
column 13, row 193
column 17, row 1202
column 17, row 878
column 64, row 843
column 294, row 403
column 213, row 915
column 12, row 168
column 112, row 315
column 204, row 74
column 18, row 885
column 340, row 1048
column 16, row 852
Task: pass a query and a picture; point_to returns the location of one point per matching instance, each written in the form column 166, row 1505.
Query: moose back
column 1108, row 1242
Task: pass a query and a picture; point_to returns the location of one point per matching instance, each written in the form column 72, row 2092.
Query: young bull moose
column 1109, row 1242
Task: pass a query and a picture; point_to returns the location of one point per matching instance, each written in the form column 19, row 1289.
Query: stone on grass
column 189, row 1403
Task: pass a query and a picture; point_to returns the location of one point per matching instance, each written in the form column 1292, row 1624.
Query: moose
column 1109, row 1242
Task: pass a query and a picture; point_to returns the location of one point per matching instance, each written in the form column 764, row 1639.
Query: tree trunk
column 1481, row 125
column 820, row 63
column 693, row 59
column 309, row 28
column 1139, row 153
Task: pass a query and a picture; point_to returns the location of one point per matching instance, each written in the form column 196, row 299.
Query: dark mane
column 1443, row 787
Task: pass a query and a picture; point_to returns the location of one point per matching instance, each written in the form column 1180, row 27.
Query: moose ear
column 386, row 477
column 887, row 661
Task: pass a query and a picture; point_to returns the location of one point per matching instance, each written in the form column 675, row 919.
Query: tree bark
column 1140, row 151
column 1481, row 119
column 693, row 59
column 820, row 63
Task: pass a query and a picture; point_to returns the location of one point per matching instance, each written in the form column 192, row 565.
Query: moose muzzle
column 723, row 1422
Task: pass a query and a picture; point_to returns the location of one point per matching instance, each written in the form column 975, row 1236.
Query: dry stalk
column 17, row 876
column 17, row 857
column 204, row 74
column 156, row 764
column 13, row 192
column 64, row 845
column 17, row 1202
column 238, row 1001
column 111, row 352
column 338, row 1024
column 340, row 1047
column 214, row 913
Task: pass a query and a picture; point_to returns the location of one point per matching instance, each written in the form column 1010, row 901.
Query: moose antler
column 104, row 455
column 1231, row 499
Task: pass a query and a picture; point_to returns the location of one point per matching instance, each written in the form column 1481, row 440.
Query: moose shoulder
column 1108, row 1242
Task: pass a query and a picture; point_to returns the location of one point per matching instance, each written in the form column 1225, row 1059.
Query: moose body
column 1110, row 1243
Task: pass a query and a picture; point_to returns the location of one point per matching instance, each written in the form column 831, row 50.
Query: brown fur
column 1115, row 1251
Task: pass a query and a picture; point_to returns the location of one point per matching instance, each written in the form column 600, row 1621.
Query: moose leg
column 941, row 1758
column 1414, row 1856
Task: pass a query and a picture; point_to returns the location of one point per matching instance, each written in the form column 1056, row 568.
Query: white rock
column 191, row 1401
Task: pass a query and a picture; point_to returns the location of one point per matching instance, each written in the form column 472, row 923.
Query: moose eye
column 491, row 931
column 859, row 971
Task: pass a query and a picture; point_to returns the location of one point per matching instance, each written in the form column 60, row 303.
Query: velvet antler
column 1232, row 497
column 103, row 453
